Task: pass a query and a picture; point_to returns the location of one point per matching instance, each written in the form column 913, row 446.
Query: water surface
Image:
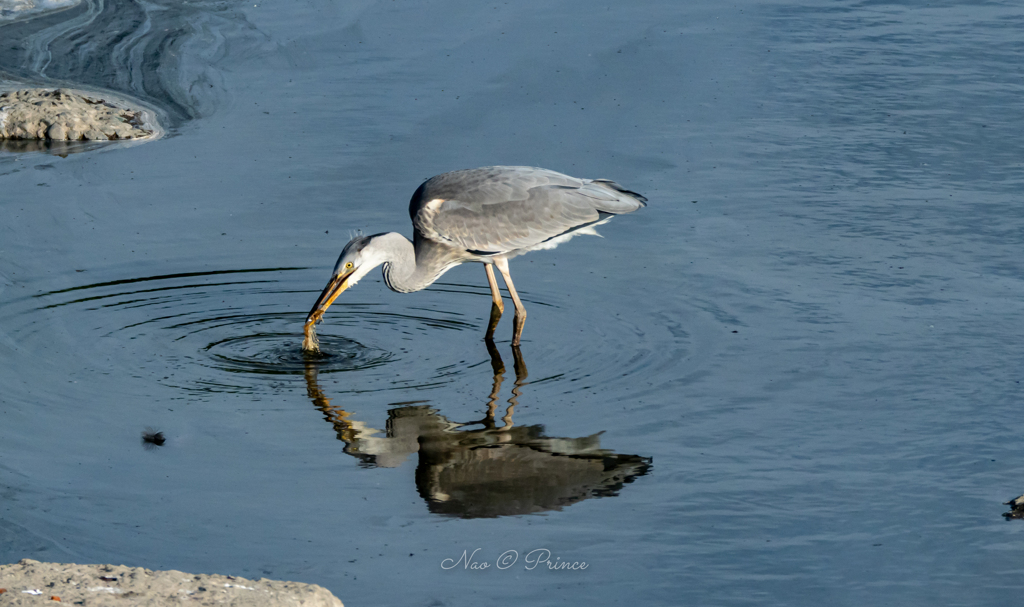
column 794, row 378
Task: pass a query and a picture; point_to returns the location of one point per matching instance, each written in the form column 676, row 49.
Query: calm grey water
column 794, row 378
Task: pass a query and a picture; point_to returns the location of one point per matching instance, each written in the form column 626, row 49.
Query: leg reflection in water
column 480, row 469
column 498, row 366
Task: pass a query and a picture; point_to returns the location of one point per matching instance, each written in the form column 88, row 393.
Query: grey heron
column 486, row 215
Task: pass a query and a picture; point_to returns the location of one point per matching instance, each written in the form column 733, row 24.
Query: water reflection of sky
column 812, row 331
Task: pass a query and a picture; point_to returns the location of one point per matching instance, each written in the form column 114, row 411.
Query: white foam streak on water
column 25, row 9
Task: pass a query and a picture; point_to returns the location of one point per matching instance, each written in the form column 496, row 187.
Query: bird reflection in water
column 482, row 469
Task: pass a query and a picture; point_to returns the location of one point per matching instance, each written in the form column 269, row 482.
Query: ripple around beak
column 276, row 354
column 229, row 331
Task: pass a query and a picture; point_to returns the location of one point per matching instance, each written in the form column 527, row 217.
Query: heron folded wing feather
column 488, row 185
column 610, row 197
column 608, row 183
column 502, row 209
column 509, row 225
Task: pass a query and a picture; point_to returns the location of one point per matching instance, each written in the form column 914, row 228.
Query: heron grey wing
column 487, row 185
column 506, row 225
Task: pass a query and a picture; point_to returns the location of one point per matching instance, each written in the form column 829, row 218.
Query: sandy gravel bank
column 34, row 583
column 66, row 115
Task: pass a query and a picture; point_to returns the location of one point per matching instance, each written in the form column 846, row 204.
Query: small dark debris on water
column 151, row 438
column 1016, row 508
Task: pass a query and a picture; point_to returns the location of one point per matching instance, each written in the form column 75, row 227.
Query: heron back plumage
column 511, row 210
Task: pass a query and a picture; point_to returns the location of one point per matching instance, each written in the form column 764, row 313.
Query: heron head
column 355, row 261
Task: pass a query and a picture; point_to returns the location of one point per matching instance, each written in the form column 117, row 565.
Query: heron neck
column 410, row 268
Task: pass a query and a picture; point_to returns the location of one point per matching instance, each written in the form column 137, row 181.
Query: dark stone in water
column 151, row 437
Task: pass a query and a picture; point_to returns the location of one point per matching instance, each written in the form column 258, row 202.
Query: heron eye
column 348, row 265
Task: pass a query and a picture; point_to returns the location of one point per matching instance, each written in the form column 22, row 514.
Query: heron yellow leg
column 497, row 307
column 495, row 293
column 520, row 318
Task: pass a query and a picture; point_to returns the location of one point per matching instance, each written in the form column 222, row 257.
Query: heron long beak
column 331, row 292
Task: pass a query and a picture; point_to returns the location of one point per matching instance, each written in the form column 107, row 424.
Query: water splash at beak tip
column 309, row 342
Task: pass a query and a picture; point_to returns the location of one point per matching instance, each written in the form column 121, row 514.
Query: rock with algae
column 1016, row 508
column 63, row 115
column 32, row 582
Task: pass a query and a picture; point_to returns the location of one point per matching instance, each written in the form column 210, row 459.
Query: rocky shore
column 31, row 582
column 65, row 115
